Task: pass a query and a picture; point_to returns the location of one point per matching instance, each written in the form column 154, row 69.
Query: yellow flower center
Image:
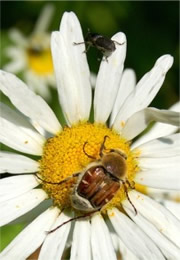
column 40, row 61
column 64, row 155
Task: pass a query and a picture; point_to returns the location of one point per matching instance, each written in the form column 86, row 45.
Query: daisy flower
column 114, row 230
column 31, row 55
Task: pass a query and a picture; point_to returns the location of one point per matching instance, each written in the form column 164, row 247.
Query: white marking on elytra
column 85, row 182
column 89, row 173
column 102, row 184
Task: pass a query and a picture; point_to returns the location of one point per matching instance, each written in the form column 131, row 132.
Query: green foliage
column 8, row 233
column 151, row 29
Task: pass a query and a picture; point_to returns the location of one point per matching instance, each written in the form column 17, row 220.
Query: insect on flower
column 35, row 50
column 100, row 42
column 98, row 183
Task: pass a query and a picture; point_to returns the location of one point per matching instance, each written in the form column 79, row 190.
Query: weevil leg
column 78, row 43
column 105, row 58
column 118, row 42
column 87, row 49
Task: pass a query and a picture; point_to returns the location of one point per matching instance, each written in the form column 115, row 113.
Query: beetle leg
column 120, row 152
column 103, row 146
column 60, row 182
column 72, row 219
column 126, row 191
column 90, row 156
column 130, row 184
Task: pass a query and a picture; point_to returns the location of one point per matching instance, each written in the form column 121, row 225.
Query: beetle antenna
column 60, row 182
column 72, row 219
column 90, row 156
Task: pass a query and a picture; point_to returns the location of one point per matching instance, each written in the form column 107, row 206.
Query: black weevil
column 100, row 42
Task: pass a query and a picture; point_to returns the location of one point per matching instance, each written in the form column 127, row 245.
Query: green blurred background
column 152, row 29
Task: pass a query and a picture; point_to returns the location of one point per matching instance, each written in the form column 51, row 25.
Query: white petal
column 55, row 242
column 81, row 248
column 17, row 37
column 127, row 85
column 11, row 187
column 167, row 247
column 28, row 102
column 114, row 237
column 71, row 69
column 141, row 119
column 44, row 19
column 158, row 171
column 160, row 194
column 165, row 178
column 18, row 133
column 125, row 252
column 34, row 213
column 40, row 129
column 102, row 247
column 119, row 246
column 14, row 52
column 20, row 205
column 93, row 78
column 16, row 163
column 38, row 84
column 159, row 162
column 145, row 91
column 172, row 206
column 15, row 66
column 158, row 215
column 133, row 237
column 168, row 146
column 31, row 237
column 108, row 80
column 158, row 129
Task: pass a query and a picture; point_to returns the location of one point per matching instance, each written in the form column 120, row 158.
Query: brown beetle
column 99, row 182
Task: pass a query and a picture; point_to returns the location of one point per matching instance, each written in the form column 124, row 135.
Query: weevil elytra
column 105, row 45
